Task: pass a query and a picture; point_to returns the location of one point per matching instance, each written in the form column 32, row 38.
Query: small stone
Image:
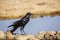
column 58, row 35
column 48, row 36
column 40, row 35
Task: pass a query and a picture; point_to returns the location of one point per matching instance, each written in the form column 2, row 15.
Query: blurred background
column 35, row 25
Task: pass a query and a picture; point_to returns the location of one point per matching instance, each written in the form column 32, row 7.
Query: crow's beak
column 32, row 14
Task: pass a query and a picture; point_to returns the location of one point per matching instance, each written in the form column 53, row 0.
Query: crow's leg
column 22, row 30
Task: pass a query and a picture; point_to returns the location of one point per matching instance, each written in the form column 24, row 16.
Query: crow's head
column 29, row 13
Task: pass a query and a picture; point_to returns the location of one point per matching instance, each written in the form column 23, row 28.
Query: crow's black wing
column 17, row 22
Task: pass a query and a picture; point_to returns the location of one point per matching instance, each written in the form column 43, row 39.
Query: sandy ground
column 51, row 35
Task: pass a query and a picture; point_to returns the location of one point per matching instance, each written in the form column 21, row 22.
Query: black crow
column 21, row 23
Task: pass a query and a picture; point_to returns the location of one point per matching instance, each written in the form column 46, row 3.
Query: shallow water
column 35, row 25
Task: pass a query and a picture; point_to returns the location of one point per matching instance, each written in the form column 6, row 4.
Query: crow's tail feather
column 10, row 26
